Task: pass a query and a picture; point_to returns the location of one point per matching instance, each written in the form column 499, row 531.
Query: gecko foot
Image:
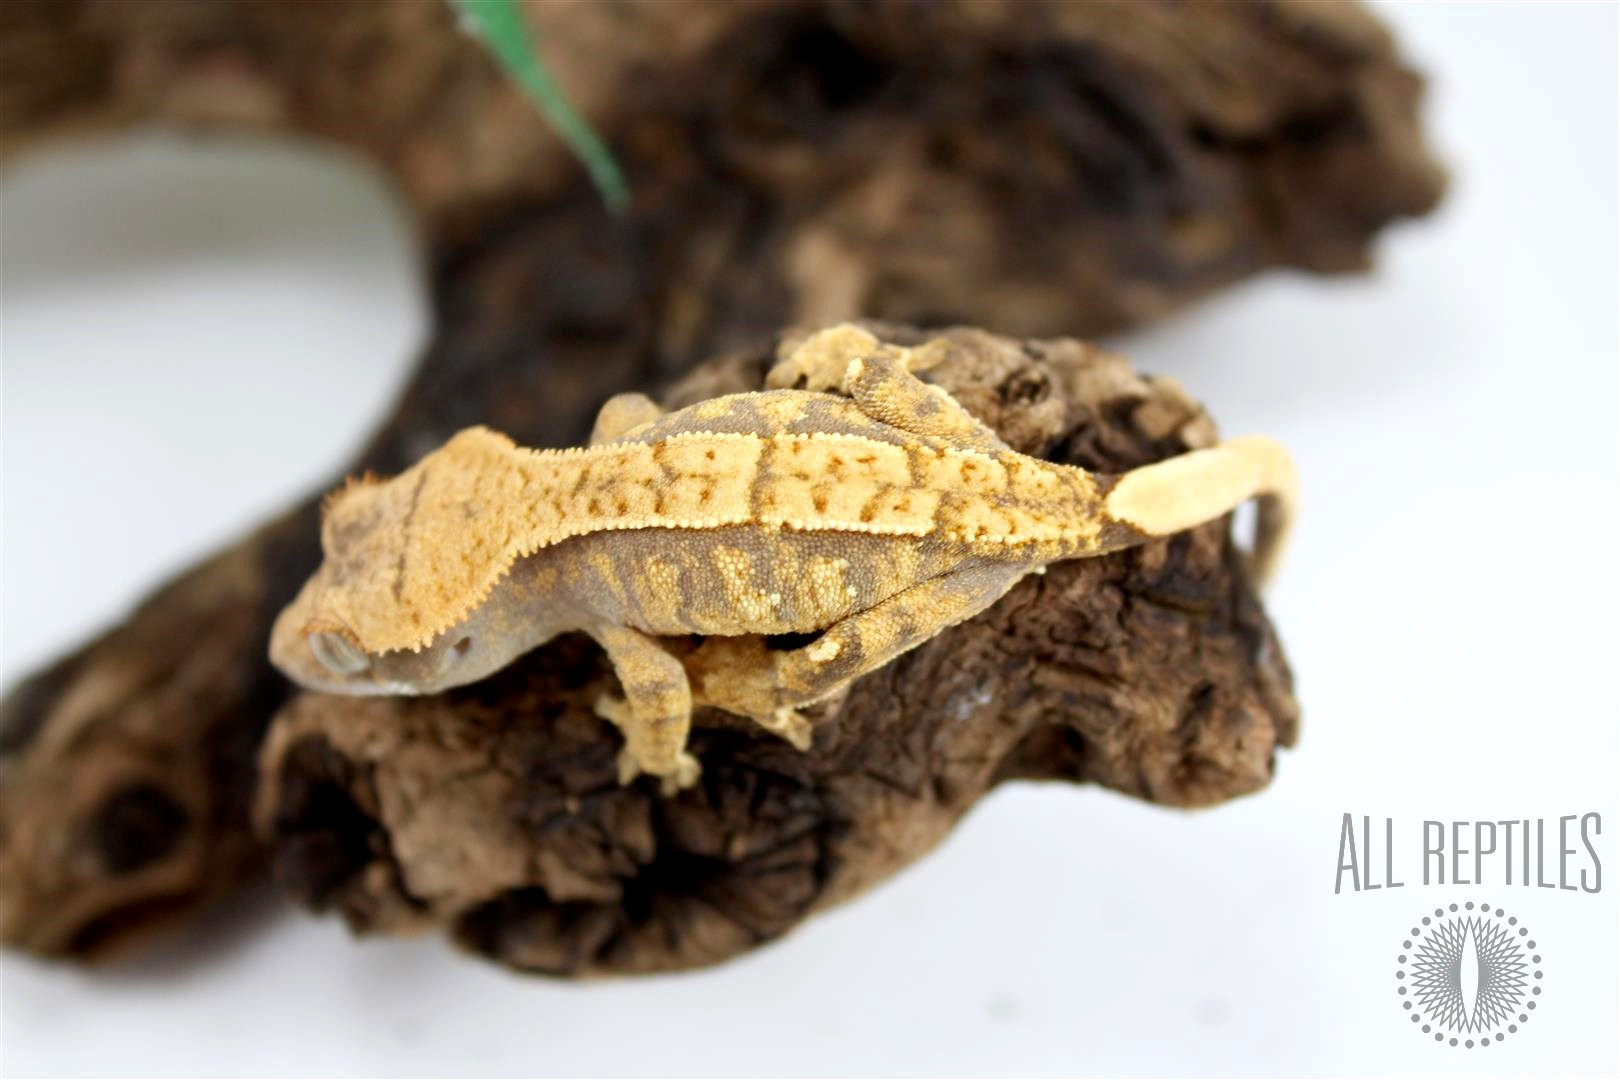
column 819, row 361
column 687, row 771
column 682, row 773
column 789, row 725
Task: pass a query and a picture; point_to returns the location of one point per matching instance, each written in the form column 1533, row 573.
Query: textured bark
column 494, row 811
column 127, row 767
column 1037, row 169
column 1051, row 168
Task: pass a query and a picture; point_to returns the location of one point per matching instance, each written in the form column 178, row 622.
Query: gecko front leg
column 655, row 713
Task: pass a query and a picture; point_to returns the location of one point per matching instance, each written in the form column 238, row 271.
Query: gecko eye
column 338, row 653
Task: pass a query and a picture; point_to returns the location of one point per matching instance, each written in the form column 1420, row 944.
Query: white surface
column 193, row 336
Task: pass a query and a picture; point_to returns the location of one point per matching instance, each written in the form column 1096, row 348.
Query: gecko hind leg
column 737, row 674
column 880, row 379
column 655, row 713
column 742, row 676
column 818, row 362
column 621, row 414
column 886, row 390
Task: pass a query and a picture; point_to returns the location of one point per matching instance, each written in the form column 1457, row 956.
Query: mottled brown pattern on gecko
column 870, row 520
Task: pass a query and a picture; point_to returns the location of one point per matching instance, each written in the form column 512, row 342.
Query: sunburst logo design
column 1469, row 976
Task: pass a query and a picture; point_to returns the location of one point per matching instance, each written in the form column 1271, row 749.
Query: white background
column 196, row 333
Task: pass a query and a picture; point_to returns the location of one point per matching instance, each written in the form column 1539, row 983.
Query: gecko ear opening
column 338, row 653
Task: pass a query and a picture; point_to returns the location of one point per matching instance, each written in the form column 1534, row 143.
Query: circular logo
column 1468, row 976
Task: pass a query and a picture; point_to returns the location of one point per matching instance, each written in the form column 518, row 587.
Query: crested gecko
column 866, row 512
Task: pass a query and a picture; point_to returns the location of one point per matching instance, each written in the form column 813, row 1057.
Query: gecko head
column 312, row 646
column 395, row 607
column 325, row 656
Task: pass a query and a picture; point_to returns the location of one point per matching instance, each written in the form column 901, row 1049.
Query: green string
column 501, row 27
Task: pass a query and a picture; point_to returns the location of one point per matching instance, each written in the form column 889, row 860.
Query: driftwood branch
column 494, row 811
column 1055, row 169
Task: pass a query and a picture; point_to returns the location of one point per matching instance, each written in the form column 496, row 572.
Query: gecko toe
column 687, row 771
column 790, row 726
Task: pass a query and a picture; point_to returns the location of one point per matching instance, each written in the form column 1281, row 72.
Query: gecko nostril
column 460, row 648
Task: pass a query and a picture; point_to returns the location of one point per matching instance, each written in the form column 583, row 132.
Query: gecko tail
column 1193, row 488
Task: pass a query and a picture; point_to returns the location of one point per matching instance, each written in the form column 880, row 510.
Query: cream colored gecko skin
column 872, row 519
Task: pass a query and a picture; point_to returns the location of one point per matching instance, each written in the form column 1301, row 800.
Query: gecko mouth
column 337, row 653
